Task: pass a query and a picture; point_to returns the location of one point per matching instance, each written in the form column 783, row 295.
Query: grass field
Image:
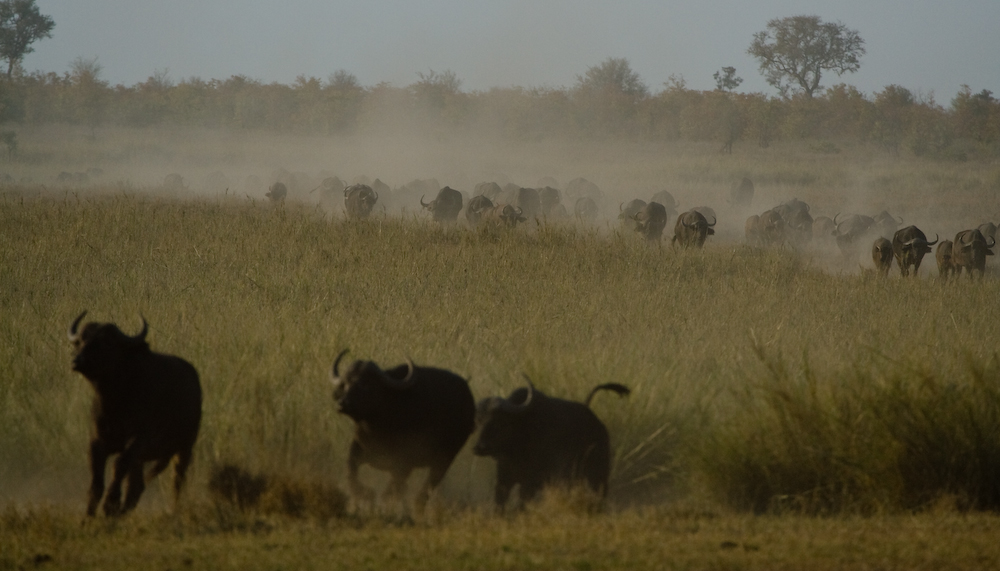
column 856, row 417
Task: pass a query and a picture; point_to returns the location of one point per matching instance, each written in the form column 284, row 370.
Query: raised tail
column 622, row 390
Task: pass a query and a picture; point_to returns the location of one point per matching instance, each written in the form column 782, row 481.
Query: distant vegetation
column 608, row 101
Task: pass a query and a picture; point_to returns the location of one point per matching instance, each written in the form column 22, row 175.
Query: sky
column 928, row 46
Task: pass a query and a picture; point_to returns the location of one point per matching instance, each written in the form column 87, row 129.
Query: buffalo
column 742, row 194
column 650, row 221
column 969, row 252
column 478, row 206
column 446, row 206
column 406, row 418
column 277, row 192
column 691, row 229
column 909, row 246
column 551, row 201
column 798, row 221
column 667, row 200
column 585, row 209
column 146, row 408
column 943, row 256
column 504, row 215
column 582, row 188
column 989, row 230
column 852, row 231
column 768, row 229
column 528, row 200
column 886, row 224
column 359, row 200
column 539, row 440
column 626, row 213
column 882, row 253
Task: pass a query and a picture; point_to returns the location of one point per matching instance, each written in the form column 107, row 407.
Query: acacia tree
column 21, row 24
column 794, row 52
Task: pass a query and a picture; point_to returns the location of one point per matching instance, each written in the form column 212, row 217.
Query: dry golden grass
column 763, row 380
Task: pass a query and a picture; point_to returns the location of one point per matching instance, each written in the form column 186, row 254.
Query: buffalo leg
column 355, row 458
column 123, row 467
column 434, row 478
column 180, row 472
column 136, row 485
column 505, row 483
column 98, row 461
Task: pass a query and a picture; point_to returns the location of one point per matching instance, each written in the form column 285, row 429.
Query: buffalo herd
column 147, row 406
column 147, row 409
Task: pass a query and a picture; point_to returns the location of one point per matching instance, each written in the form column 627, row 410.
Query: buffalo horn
column 962, row 237
column 936, row 238
column 422, row 202
column 142, row 334
column 835, row 219
column 405, row 381
column 620, row 204
column 523, row 407
column 900, row 220
column 993, row 244
column 714, row 220
column 376, row 195
column 336, row 363
column 73, row 333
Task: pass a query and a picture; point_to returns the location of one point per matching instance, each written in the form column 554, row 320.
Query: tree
column 726, row 79
column 794, row 52
column 21, row 24
column 612, row 76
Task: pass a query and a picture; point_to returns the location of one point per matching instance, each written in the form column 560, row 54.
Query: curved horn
column 962, row 237
column 835, row 219
column 141, row 337
column 993, row 244
column 400, row 383
column 336, row 363
column 714, row 220
column 72, row 333
column 900, row 220
column 936, row 238
column 620, row 204
column 422, row 201
column 519, row 210
column 523, row 407
column 376, row 195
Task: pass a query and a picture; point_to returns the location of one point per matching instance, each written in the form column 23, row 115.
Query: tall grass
column 758, row 379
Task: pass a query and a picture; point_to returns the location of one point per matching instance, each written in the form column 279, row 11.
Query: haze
column 929, row 47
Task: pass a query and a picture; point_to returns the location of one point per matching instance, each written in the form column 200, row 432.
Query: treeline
column 893, row 119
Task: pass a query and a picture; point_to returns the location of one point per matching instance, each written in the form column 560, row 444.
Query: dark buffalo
column 798, row 221
column 768, row 229
column 585, row 209
column 650, row 221
column 853, row 231
column 359, row 200
column 582, row 188
column 478, row 206
column 627, row 212
column 529, row 202
column 405, row 418
column 823, row 228
column 886, row 224
column 667, row 200
column 691, row 229
column 969, row 252
column 882, row 253
column 742, row 194
column 490, row 190
column 538, row 440
column 909, row 246
column 989, row 230
column 446, row 206
column 277, row 192
column 146, row 408
column 504, row 215
column 943, row 255
column 551, row 200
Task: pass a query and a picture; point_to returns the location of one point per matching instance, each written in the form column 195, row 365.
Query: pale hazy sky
column 924, row 45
